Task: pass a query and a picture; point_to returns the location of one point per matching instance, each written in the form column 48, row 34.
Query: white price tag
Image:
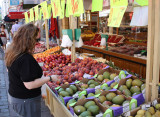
column 122, row 76
column 99, row 115
column 86, row 76
column 127, row 114
column 133, row 106
column 144, row 107
column 126, row 107
column 148, row 105
column 117, row 79
column 98, row 87
column 154, row 102
column 75, row 95
column 108, row 115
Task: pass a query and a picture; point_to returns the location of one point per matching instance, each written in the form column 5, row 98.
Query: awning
column 16, row 15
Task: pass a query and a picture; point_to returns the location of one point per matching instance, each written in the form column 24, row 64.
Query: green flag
column 97, row 5
column 36, row 10
column 142, row 2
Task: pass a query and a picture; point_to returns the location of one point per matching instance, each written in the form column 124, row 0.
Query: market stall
column 88, row 85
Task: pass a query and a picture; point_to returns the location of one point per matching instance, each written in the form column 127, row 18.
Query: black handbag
column 1, row 43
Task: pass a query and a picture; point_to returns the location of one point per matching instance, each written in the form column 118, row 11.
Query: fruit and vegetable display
column 87, row 34
column 150, row 111
column 39, row 48
column 46, row 53
column 113, row 39
column 95, row 41
column 129, row 49
column 132, row 87
column 88, row 109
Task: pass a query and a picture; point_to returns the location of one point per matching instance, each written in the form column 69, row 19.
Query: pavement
column 5, row 108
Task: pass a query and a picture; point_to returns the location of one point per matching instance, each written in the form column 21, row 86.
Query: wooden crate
column 56, row 108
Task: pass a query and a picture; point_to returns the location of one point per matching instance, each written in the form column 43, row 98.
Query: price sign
column 36, row 13
column 26, row 17
column 117, row 3
column 49, row 10
column 45, row 10
column 56, row 8
column 40, row 14
column 117, row 79
column 97, row 5
column 116, row 15
column 62, row 9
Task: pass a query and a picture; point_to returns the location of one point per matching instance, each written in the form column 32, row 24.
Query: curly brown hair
column 23, row 42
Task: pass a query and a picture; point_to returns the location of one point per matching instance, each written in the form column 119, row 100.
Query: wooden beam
column 110, row 30
column 156, row 52
column 47, row 36
column 73, row 25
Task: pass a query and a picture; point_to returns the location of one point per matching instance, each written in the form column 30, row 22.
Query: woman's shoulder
column 26, row 56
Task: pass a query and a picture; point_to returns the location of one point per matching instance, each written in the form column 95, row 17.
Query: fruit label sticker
column 77, row 82
column 117, row 79
column 82, row 93
column 108, row 113
column 58, row 87
column 125, row 107
column 72, row 104
column 115, row 87
column 98, row 87
column 97, row 95
column 95, row 76
column 133, row 104
column 154, row 102
column 122, row 75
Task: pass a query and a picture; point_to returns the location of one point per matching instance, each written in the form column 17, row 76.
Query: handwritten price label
column 31, row 15
column 26, row 17
column 36, row 12
column 116, row 16
column 115, row 3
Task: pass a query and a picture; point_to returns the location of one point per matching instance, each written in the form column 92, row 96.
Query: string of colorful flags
column 76, row 8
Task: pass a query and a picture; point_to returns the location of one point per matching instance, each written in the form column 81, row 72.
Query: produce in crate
column 88, row 109
column 132, row 87
column 150, row 112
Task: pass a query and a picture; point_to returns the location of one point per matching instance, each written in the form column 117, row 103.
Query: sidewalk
column 5, row 108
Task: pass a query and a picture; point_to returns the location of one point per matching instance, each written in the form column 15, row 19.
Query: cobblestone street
column 5, row 108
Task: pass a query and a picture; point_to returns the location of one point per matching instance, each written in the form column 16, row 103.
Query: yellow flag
column 116, row 3
column 26, row 17
column 31, row 15
column 116, row 15
column 49, row 10
column 142, row 2
column 62, row 9
column 36, row 12
column 56, row 8
column 45, row 10
column 40, row 14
